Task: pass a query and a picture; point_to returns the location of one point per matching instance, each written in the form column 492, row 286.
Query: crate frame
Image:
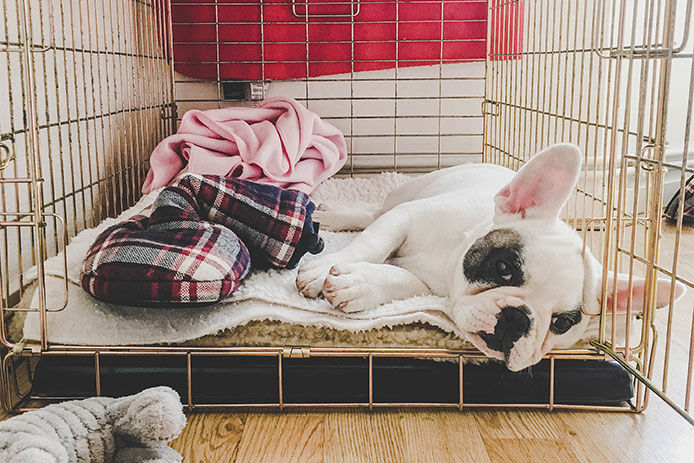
column 612, row 225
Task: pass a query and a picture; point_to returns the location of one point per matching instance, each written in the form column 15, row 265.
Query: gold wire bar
column 97, row 373
column 371, row 382
column 13, row 180
column 7, row 393
column 4, row 377
column 9, row 156
column 656, row 203
column 281, row 404
column 611, row 173
column 660, row 269
column 460, row 382
column 618, row 228
column 143, row 351
column 551, row 384
column 3, row 328
column 280, row 381
column 33, row 158
column 189, row 380
column 63, row 241
column 377, row 405
column 690, row 369
column 675, row 260
column 358, row 405
column 651, row 363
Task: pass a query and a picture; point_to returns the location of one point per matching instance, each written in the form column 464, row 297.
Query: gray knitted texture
column 133, row 429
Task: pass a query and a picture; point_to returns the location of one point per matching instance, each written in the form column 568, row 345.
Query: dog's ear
column 620, row 297
column 622, row 293
column 542, row 185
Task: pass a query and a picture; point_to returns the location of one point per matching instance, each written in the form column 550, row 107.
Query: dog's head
column 526, row 287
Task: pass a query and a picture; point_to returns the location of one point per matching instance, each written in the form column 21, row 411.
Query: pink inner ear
column 623, row 297
column 547, row 188
column 520, row 200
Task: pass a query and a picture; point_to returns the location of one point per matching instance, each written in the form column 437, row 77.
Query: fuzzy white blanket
column 269, row 295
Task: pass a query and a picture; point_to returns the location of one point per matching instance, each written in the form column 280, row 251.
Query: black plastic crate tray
column 246, row 380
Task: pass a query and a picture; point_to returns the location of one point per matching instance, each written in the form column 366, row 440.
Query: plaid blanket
column 672, row 209
column 274, row 223
column 199, row 242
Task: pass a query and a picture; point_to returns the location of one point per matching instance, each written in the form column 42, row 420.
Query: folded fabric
column 274, row 223
column 173, row 257
column 199, row 242
column 279, row 142
column 672, row 209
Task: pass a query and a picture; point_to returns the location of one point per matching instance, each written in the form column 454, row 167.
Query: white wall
column 380, row 122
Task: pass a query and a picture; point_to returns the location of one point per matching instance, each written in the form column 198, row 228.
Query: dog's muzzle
column 513, row 323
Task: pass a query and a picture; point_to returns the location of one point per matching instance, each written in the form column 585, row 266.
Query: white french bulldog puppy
column 488, row 238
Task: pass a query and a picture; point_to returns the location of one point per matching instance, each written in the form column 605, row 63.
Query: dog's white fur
column 417, row 243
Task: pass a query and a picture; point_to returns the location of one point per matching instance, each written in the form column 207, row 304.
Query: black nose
column 513, row 323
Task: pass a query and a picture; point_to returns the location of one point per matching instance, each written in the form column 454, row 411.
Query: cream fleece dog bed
column 264, row 296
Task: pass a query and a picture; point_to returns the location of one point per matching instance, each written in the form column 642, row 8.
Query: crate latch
column 490, row 108
column 296, row 352
column 327, row 7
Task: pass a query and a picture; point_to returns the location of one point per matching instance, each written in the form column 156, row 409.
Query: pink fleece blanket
column 278, row 142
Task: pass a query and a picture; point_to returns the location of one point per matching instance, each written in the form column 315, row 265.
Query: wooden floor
column 657, row 435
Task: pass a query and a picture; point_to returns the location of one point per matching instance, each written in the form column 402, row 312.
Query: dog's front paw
column 311, row 275
column 349, row 288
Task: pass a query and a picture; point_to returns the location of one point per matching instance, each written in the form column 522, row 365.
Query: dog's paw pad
column 311, row 276
column 349, row 289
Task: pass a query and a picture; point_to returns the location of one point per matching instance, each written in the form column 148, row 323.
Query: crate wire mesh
column 92, row 86
column 91, row 78
column 603, row 75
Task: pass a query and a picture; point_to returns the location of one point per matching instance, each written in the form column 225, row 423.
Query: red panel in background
column 506, row 29
column 227, row 37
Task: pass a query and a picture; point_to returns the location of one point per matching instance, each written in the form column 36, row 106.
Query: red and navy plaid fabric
column 150, row 261
column 199, row 242
column 672, row 209
column 274, row 223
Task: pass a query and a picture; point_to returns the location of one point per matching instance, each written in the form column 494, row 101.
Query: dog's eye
column 504, row 269
column 564, row 321
column 561, row 324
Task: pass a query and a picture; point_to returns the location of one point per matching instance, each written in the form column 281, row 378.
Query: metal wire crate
column 91, row 86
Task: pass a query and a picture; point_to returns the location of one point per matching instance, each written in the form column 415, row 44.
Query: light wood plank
column 442, row 436
column 514, row 424
column 361, row 436
column 291, row 437
column 507, row 450
column 210, row 437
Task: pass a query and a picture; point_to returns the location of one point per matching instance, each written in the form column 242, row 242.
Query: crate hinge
column 24, row 348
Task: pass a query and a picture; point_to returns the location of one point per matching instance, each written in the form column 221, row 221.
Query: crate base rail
column 302, row 355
